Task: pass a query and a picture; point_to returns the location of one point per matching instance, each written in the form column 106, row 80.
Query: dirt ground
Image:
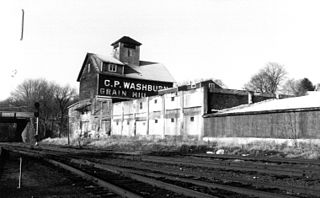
column 38, row 180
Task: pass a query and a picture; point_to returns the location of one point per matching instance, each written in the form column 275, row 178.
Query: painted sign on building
column 121, row 87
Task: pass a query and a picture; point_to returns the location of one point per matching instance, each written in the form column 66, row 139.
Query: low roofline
column 225, row 114
column 240, row 92
column 186, row 87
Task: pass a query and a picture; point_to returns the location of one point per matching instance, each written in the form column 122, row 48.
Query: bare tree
column 53, row 100
column 297, row 87
column 268, row 79
column 290, row 87
column 36, row 90
column 64, row 96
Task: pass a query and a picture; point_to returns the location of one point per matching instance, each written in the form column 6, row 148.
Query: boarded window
column 156, row 121
column 172, row 98
column 155, row 101
column 191, row 119
column 172, row 119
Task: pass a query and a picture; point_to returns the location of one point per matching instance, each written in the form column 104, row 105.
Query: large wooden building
column 122, row 95
column 108, row 79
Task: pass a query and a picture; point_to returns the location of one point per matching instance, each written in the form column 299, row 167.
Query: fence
column 287, row 123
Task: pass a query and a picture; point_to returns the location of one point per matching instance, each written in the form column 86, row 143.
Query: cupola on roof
column 127, row 40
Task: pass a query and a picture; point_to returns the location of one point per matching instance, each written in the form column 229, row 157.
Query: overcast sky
column 221, row 39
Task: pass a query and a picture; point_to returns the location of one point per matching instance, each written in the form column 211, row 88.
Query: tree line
column 53, row 99
column 273, row 79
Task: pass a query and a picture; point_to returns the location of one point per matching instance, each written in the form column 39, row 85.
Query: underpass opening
column 16, row 126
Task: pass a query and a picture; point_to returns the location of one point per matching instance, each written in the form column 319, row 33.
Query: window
column 191, row 119
column 112, row 68
column 130, row 52
column 156, row 121
column 117, row 123
column 172, row 119
column 141, row 105
column 128, row 122
column 172, row 98
column 89, row 66
column 155, row 101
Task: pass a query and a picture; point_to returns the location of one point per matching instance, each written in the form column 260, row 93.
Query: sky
column 229, row 40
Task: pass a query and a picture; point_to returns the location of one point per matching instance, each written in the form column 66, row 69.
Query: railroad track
column 42, row 179
column 307, row 175
column 150, row 172
column 118, row 183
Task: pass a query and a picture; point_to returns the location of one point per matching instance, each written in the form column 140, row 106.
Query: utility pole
column 22, row 25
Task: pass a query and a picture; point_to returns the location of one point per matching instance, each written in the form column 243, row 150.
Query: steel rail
column 138, row 174
column 235, row 166
column 153, row 182
column 307, row 172
column 262, row 159
column 239, row 166
column 295, row 189
column 113, row 188
column 117, row 190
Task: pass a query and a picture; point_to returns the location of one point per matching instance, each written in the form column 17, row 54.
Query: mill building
column 104, row 80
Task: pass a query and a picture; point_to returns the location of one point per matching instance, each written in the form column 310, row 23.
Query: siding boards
column 292, row 124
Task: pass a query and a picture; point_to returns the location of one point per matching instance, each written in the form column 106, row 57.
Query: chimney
column 127, row 51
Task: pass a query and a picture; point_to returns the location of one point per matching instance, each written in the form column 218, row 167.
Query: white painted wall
column 193, row 98
column 192, row 127
column 141, row 127
column 156, row 128
column 172, row 101
column 172, row 128
column 155, row 103
column 143, row 113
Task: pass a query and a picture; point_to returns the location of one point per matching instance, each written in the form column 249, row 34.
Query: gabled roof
column 128, row 40
column 108, row 59
column 150, row 71
column 146, row 70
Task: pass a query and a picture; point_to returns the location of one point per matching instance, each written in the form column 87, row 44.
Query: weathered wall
column 172, row 113
column 227, row 98
column 299, row 123
column 135, row 54
column 88, row 82
column 90, row 118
